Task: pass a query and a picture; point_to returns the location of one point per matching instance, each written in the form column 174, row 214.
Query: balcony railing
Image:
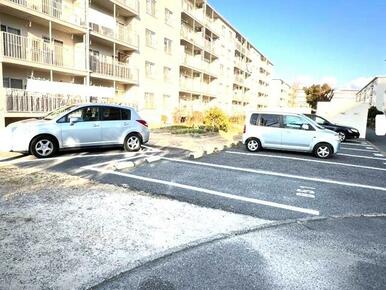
column 58, row 9
column 189, row 34
column 38, row 51
column 197, row 13
column 198, row 86
column 131, row 4
column 107, row 66
column 21, row 101
column 121, row 33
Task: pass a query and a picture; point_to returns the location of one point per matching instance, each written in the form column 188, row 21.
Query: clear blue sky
column 344, row 39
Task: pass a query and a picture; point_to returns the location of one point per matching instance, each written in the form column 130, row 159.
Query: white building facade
column 165, row 58
column 374, row 93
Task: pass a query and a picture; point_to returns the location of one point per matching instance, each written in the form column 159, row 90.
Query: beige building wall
column 166, row 58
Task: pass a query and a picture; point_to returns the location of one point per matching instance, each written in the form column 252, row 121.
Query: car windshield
column 58, row 112
column 313, row 122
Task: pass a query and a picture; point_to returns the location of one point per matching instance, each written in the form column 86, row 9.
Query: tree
column 318, row 93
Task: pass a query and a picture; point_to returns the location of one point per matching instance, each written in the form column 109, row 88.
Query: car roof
column 273, row 112
column 103, row 105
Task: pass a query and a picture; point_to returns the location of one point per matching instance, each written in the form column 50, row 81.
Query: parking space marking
column 211, row 192
column 307, row 187
column 359, row 156
column 309, row 193
column 307, row 160
column 271, row 173
column 369, row 147
column 356, row 144
column 378, row 154
column 356, row 149
column 80, row 155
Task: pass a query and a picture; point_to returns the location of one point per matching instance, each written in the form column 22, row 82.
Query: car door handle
column 96, row 125
column 126, row 124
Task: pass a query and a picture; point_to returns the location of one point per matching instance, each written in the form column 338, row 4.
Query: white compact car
column 288, row 131
column 87, row 125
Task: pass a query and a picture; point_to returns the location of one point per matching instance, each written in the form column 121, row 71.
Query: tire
column 133, row 142
column 342, row 136
column 253, row 145
column 323, row 150
column 44, row 146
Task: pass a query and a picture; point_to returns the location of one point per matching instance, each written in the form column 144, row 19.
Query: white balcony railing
column 38, row 51
column 192, row 10
column 107, row 66
column 59, row 9
column 192, row 36
column 121, row 33
column 21, row 101
column 133, row 5
column 198, row 86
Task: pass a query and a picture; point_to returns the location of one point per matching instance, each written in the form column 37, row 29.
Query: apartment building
column 166, row 58
column 374, row 93
column 280, row 94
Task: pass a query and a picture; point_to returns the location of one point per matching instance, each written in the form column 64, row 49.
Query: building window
column 166, row 102
column 168, row 16
column 167, row 46
column 150, row 38
column 150, row 69
column 167, row 74
column 150, row 7
column 149, row 101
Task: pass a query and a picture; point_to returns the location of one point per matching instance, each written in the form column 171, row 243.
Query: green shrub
column 215, row 119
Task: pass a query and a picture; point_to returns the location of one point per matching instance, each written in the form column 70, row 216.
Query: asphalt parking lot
column 271, row 185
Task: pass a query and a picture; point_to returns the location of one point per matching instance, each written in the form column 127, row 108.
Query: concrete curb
column 215, row 238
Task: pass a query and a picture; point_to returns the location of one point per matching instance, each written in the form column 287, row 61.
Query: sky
column 341, row 42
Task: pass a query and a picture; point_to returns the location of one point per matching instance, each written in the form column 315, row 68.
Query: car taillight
column 142, row 122
column 245, row 129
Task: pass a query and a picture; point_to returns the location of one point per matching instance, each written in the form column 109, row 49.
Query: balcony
column 193, row 11
column 63, row 13
column 22, row 101
column 239, row 79
column 122, row 34
column 240, row 64
column 130, row 5
column 106, row 67
column 35, row 52
column 190, row 35
column 197, row 86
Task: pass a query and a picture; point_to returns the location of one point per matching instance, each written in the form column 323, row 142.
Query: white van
column 288, row 131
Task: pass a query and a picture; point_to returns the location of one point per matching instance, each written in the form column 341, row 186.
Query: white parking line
column 307, row 160
column 359, row 156
column 212, row 192
column 80, row 155
column 378, row 154
column 356, row 144
column 307, row 187
column 355, row 149
column 305, row 195
column 271, row 173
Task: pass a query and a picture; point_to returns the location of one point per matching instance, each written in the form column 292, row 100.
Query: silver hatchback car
column 288, row 131
column 87, row 125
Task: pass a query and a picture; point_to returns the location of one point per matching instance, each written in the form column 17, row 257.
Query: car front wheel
column 133, row 142
column 44, row 147
column 323, row 151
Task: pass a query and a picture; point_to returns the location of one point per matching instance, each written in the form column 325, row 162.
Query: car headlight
column 354, row 130
column 350, row 131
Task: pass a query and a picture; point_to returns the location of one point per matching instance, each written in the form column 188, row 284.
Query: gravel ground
column 64, row 232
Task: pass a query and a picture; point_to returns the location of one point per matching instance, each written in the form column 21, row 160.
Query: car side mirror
column 305, row 127
column 74, row 120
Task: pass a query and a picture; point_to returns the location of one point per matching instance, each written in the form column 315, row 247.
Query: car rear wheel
column 44, row 147
column 133, row 142
column 253, row 145
column 342, row 136
column 323, row 150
